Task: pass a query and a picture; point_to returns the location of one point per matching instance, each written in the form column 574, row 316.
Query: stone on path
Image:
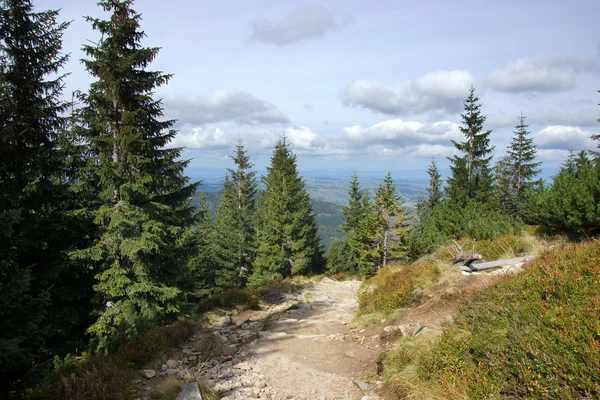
column 149, row 373
column 189, row 391
column 364, row 386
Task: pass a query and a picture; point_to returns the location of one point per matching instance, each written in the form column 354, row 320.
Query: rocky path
column 310, row 352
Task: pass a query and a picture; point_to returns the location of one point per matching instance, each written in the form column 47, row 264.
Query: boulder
column 230, row 350
column 149, row 373
column 189, row 391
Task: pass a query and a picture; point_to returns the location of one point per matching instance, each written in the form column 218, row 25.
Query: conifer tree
column 426, row 206
column 143, row 209
column 516, row 171
column 32, row 193
column 287, row 240
column 202, row 251
column 435, row 185
column 471, row 173
column 357, row 203
column 392, row 220
column 235, row 232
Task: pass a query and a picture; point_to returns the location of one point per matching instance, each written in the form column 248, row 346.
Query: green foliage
column 287, row 238
column 572, row 203
column 450, row 220
column 533, row 335
column 44, row 296
column 235, row 233
column 515, row 172
column 145, row 346
column 471, row 174
column 395, row 287
column 142, row 209
column 88, row 378
column 426, row 206
column 339, row 259
column 379, row 235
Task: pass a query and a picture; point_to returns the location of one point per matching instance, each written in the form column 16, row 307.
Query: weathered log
column 465, row 258
column 495, row 264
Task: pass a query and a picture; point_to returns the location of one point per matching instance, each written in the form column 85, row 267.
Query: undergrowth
column 535, row 335
column 396, row 286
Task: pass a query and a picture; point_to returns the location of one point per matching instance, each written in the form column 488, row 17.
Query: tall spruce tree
column 471, row 173
column 392, row 221
column 516, row 171
column 143, row 207
column 32, row 193
column 235, row 234
column 426, row 206
column 287, row 240
column 358, row 201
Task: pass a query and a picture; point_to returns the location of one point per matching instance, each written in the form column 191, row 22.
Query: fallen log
column 495, row 264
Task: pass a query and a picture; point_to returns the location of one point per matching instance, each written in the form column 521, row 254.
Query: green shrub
column 534, row 335
column 147, row 345
column 79, row 378
column 394, row 287
column 449, row 221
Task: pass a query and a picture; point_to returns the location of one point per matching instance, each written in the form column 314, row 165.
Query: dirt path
column 310, row 351
column 313, row 352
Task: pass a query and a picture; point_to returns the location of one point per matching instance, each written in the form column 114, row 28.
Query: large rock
column 189, row 391
column 230, row 350
column 149, row 373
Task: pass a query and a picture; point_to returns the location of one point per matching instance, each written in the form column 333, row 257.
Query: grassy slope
column 533, row 335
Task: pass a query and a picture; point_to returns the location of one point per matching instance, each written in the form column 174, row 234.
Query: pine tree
column 516, row 171
column 426, row 206
column 235, row 224
column 32, row 193
column 471, row 174
column 597, row 137
column 202, row 262
column 287, row 240
column 435, row 185
column 570, row 204
column 143, row 209
column 355, row 209
column 392, row 221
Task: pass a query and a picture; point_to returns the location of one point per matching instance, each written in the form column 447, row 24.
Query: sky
column 371, row 86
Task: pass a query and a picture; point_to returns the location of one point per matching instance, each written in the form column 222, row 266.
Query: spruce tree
column 32, row 192
column 516, row 171
column 471, row 173
column 235, row 234
column 143, row 209
column 392, row 221
column 357, row 203
column 287, row 240
column 434, row 190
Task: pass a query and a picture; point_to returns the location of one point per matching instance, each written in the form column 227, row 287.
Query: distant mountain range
column 329, row 216
column 328, row 195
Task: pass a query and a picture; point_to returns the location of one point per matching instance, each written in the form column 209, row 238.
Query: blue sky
column 365, row 85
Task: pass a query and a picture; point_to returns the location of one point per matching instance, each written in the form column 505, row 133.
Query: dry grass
column 169, row 387
column 83, row 378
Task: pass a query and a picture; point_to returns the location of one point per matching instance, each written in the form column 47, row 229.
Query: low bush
column 395, row 286
column 535, row 335
column 85, row 378
column 147, row 345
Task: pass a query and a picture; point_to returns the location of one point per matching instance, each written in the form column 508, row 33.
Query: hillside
column 328, row 216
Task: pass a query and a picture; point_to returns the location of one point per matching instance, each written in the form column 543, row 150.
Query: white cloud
column 539, row 75
column 208, row 138
column 391, row 137
column 224, row 106
column 559, row 137
column 547, row 116
column 434, row 91
column 401, row 134
column 304, row 23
